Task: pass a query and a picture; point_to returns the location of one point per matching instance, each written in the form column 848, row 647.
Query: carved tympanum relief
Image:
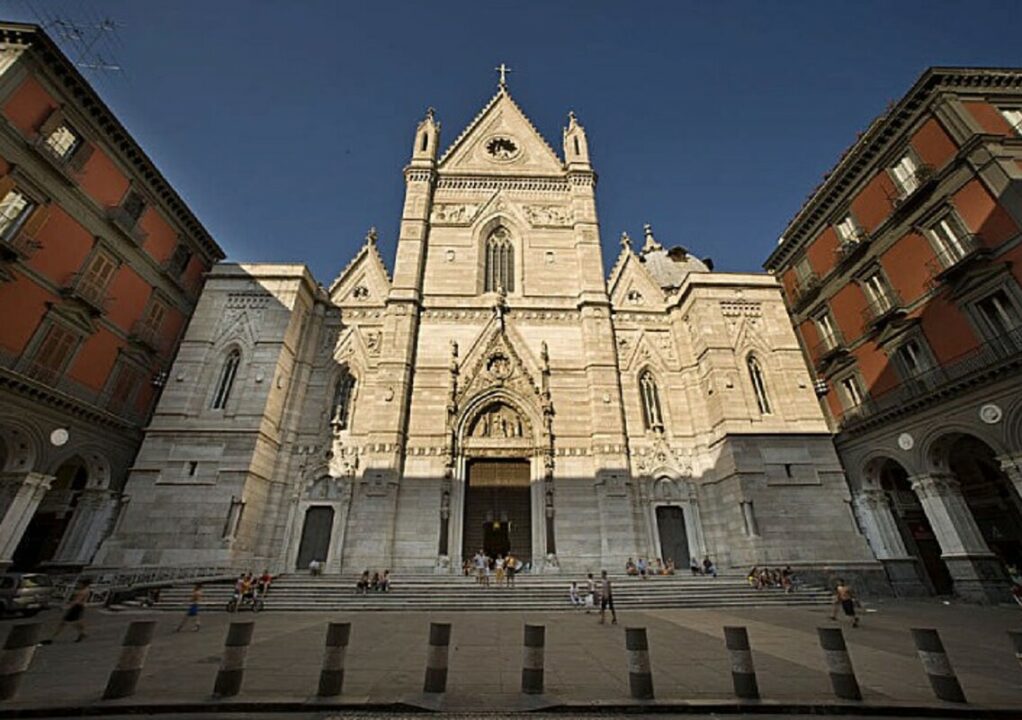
column 498, row 421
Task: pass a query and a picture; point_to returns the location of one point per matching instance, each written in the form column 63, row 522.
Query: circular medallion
column 499, row 366
column 59, row 437
column 991, row 414
column 906, row 441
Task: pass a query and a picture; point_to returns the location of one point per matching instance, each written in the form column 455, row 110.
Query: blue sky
column 285, row 125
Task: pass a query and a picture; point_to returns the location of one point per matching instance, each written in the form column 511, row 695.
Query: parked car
column 25, row 593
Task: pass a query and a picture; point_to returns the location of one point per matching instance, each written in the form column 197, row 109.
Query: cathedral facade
column 496, row 391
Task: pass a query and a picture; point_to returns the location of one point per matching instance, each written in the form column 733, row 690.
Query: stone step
column 530, row 593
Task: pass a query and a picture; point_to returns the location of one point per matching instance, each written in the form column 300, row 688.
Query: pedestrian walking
column 75, row 612
column 590, row 593
column 193, row 610
column 606, row 598
column 845, row 597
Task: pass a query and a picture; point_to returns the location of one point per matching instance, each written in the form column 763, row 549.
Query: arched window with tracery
column 344, row 390
column 225, row 383
column 758, row 385
column 652, row 418
column 500, row 261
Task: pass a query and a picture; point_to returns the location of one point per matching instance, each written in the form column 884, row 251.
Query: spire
column 651, row 245
column 576, row 147
column 427, row 136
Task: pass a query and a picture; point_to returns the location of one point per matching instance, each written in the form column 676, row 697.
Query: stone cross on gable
column 503, row 70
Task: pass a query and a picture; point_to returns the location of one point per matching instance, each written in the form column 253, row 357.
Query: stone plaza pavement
column 585, row 662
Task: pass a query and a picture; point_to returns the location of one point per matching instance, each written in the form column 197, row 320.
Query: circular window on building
column 502, row 148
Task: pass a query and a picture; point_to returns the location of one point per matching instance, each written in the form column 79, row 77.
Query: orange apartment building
column 101, row 264
column 902, row 275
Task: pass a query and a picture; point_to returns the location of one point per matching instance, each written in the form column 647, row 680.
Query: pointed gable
column 630, row 285
column 364, row 281
column 501, row 140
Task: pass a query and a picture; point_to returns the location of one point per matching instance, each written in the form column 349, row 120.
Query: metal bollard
column 640, row 675
column 331, row 677
column 232, row 666
column 743, row 673
column 19, row 648
column 134, row 649
column 1016, row 643
column 839, row 664
column 436, row 658
column 532, row 659
column 938, row 667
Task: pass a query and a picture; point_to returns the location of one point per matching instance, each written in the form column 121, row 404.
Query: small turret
column 427, row 139
column 576, row 149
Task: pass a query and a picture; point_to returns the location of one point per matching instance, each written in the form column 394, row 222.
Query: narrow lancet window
column 651, row 415
column 758, row 385
column 343, row 392
column 226, row 382
column 500, row 262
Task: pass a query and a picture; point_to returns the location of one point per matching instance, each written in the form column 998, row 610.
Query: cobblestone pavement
column 585, row 661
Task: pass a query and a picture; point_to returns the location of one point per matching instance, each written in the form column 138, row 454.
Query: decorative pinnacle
column 503, row 70
column 371, row 235
column 626, row 242
column 571, row 118
column 651, row 244
column 430, row 113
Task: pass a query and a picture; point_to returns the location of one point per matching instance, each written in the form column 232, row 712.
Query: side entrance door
column 670, row 522
column 315, row 536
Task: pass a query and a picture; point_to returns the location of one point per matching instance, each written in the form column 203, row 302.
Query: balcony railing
column 950, row 260
column 21, row 245
column 851, row 248
column 924, row 175
column 1003, row 350
column 879, row 311
column 806, row 287
column 148, row 335
column 59, row 382
column 827, row 348
column 84, row 288
column 43, row 373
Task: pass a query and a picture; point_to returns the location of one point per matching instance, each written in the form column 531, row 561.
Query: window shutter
column 6, row 185
column 52, row 122
column 81, row 156
column 101, row 269
column 55, row 348
column 36, row 221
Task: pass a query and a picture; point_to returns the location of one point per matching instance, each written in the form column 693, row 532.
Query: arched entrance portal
column 498, row 509
column 43, row 535
column 990, row 496
column 913, row 525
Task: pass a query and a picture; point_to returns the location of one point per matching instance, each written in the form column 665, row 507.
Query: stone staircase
column 530, row 592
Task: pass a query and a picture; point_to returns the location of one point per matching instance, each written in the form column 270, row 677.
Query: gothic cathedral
column 497, row 392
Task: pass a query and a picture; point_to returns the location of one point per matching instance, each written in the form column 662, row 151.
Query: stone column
column 873, row 510
column 978, row 575
column 1011, row 465
column 22, row 493
column 87, row 528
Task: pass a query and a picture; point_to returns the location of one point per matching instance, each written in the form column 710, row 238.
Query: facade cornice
column 504, row 182
column 52, row 398
column 884, row 131
column 87, row 101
